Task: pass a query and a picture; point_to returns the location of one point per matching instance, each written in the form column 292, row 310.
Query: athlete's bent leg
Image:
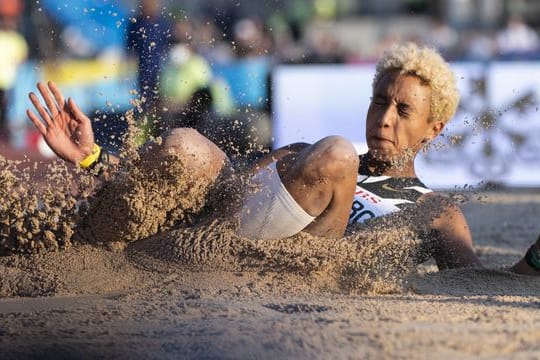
column 322, row 179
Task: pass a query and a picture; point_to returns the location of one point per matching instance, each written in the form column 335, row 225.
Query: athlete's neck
column 399, row 167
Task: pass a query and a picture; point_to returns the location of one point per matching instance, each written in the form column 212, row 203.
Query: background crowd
column 200, row 64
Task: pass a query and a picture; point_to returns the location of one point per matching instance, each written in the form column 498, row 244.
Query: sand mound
column 474, row 282
column 382, row 252
column 79, row 270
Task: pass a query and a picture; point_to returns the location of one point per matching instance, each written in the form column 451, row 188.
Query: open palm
column 65, row 128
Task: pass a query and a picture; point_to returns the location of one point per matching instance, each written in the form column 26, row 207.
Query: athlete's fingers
column 73, row 125
column 37, row 122
column 77, row 113
column 41, row 110
column 57, row 94
column 46, row 95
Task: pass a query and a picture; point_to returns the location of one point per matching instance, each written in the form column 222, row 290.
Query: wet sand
column 89, row 302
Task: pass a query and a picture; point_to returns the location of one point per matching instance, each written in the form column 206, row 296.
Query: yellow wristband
column 92, row 158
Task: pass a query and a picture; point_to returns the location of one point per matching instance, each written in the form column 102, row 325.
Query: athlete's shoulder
column 438, row 200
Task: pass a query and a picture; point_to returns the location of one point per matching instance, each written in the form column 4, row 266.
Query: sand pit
column 193, row 289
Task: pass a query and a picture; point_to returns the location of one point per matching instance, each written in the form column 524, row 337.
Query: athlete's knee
column 180, row 141
column 337, row 156
column 185, row 144
column 195, row 150
column 332, row 160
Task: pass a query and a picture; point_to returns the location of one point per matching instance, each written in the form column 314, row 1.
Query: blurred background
column 253, row 75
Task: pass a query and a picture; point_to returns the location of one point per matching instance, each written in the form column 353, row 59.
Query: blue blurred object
column 101, row 22
column 149, row 37
column 248, row 79
column 26, row 79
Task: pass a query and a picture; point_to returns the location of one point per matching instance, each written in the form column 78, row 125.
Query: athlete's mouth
column 383, row 139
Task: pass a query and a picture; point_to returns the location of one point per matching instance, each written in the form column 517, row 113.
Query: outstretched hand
column 65, row 128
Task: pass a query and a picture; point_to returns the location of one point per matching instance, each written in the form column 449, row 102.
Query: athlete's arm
column 530, row 263
column 452, row 236
column 65, row 128
column 521, row 267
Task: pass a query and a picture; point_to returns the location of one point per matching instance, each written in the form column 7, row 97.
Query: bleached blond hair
column 431, row 68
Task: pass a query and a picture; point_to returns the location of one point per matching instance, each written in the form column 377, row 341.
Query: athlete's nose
column 388, row 116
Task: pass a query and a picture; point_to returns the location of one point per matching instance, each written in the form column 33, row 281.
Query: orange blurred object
column 11, row 7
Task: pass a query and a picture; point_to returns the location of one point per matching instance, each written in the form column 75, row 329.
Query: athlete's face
column 398, row 117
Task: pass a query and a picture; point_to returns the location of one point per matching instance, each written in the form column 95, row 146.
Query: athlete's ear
column 436, row 128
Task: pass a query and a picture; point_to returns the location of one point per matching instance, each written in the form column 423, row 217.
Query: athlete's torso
column 381, row 195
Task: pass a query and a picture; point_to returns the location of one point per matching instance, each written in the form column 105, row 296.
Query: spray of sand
column 39, row 216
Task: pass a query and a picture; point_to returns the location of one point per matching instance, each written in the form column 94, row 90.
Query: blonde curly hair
column 431, row 68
